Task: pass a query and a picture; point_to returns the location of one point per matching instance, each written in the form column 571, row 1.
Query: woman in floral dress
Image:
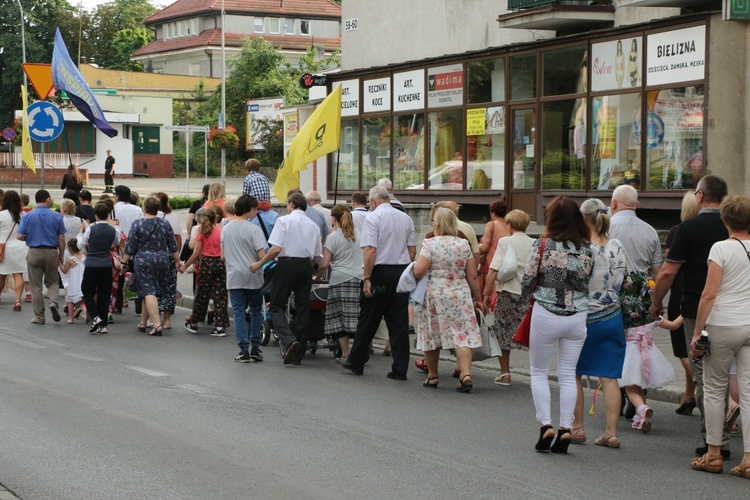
column 447, row 319
column 151, row 242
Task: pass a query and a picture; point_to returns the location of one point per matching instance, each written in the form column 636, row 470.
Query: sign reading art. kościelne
column 676, row 56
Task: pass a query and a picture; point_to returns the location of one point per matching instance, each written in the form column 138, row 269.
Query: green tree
column 107, row 21
column 41, row 18
column 127, row 41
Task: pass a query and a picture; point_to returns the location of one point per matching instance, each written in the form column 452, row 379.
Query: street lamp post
column 223, row 90
column 25, row 80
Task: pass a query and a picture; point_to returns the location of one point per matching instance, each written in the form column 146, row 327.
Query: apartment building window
column 274, row 26
column 259, row 25
column 289, row 26
column 304, row 27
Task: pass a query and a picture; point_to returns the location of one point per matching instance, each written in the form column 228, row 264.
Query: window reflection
column 674, row 138
column 485, row 167
column 408, row 147
column 376, row 157
column 446, row 150
column 563, row 152
column 347, row 157
column 615, row 141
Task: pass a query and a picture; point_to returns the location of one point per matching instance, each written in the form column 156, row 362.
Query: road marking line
column 146, row 371
column 84, row 356
column 26, row 343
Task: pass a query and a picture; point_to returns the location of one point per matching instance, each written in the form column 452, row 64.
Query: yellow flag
column 285, row 180
column 319, row 135
column 27, row 155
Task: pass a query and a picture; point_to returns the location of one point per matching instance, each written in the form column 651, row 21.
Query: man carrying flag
column 320, row 135
column 65, row 76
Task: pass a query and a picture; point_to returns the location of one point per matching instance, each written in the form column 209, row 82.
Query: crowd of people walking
column 580, row 276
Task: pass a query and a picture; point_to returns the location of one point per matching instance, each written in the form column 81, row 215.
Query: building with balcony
column 471, row 101
column 188, row 32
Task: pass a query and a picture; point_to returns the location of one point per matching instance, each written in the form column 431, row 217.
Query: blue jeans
column 241, row 298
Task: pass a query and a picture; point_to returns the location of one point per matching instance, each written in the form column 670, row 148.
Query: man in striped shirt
column 388, row 240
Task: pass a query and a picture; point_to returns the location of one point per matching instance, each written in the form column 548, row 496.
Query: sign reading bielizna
column 676, row 56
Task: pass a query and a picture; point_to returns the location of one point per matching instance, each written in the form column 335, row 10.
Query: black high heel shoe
column 561, row 443
column 544, row 440
column 687, row 407
column 156, row 332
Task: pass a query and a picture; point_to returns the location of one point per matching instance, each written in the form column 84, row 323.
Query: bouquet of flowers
column 635, row 297
column 223, row 139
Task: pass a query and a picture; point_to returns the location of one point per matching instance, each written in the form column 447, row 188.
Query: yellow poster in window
column 475, row 121
column 607, row 131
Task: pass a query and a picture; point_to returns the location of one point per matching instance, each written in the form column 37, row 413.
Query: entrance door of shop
column 523, row 182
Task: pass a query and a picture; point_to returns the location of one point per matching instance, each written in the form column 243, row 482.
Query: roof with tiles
column 212, row 37
column 314, row 9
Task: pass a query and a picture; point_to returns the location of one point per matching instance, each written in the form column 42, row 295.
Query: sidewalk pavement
column 6, row 495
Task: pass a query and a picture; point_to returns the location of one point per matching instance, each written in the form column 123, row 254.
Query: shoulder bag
column 490, row 347
column 509, row 269
column 2, row 245
column 523, row 332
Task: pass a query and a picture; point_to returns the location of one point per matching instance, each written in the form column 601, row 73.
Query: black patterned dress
column 152, row 240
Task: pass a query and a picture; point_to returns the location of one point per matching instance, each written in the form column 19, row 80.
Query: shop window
column 563, row 162
column 485, row 166
column 486, row 81
column 347, row 157
column 673, row 137
column 524, row 148
column 304, row 27
column 408, row 147
column 376, row 145
column 615, row 144
column 259, row 25
column 446, row 150
column 289, row 26
column 565, row 71
column 274, row 26
column 523, row 77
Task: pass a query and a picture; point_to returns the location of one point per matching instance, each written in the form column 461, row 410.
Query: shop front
column 577, row 115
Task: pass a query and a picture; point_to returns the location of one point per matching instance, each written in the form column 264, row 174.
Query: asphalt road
column 128, row 416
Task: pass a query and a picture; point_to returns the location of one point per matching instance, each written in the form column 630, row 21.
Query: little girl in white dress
column 73, row 267
column 645, row 366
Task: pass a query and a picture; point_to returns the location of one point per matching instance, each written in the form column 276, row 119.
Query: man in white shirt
column 313, row 200
column 389, row 245
column 296, row 241
column 359, row 211
column 125, row 214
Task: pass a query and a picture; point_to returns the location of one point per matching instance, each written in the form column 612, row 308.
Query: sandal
column 607, row 440
column 708, row 464
column 17, row 306
column 456, row 373
column 428, row 382
column 742, row 470
column 421, row 364
column 562, row 442
column 503, row 379
column 156, row 332
column 578, row 436
column 142, row 327
column 546, row 435
column 465, row 386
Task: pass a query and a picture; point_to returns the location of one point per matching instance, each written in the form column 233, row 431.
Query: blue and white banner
column 66, row 76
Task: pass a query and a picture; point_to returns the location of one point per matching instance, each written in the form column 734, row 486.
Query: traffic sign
column 9, row 134
column 45, row 121
column 40, row 76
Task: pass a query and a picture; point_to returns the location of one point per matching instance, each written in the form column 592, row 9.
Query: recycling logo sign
column 45, row 121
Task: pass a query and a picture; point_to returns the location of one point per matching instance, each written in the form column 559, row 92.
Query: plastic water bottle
column 702, row 344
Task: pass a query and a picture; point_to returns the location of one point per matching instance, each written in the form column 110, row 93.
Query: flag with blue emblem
column 66, row 76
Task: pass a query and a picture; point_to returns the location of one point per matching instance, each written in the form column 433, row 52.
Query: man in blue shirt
column 43, row 231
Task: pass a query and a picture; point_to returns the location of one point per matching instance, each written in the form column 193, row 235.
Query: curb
column 669, row 394
column 6, row 494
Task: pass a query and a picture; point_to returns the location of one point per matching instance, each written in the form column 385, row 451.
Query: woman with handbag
column 447, row 319
column 722, row 314
column 13, row 260
column 557, row 278
column 504, row 277
column 151, row 242
column 603, row 353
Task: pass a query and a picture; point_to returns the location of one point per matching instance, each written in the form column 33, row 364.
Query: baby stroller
column 266, row 326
